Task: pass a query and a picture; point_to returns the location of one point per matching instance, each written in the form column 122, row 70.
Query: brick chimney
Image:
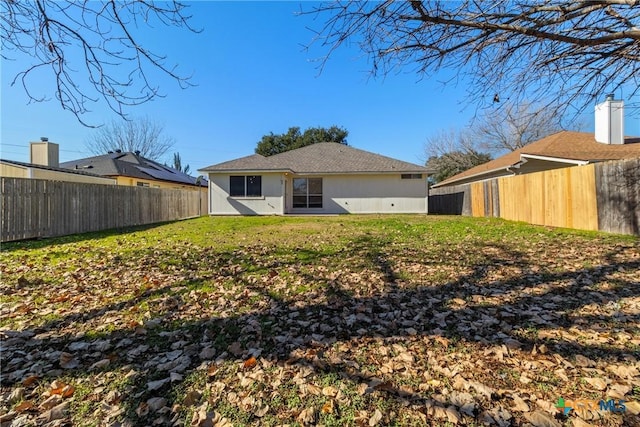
column 610, row 121
column 45, row 153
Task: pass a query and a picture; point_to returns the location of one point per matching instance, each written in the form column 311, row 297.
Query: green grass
column 327, row 301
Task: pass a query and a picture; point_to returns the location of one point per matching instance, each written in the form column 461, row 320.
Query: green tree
column 177, row 164
column 274, row 144
column 455, row 162
column 452, row 152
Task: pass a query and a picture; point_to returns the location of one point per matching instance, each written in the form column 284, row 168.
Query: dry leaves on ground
column 358, row 321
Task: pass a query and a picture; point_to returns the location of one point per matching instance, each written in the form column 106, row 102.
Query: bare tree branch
column 90, row 42
column 143, row 135
column 512, row 126
column 522, row 50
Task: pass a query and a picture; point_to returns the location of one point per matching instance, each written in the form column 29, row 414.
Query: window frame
column 308, row 195
column 250, row 183
column 411, row 176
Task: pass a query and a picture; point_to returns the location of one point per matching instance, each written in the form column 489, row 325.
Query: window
column 411, row 176
column 142, row 184
column 307, row 193
column 245, row 186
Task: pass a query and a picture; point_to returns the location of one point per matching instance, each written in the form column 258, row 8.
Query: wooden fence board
column 618, row 196
column 40, row 208
column 602, row 196
column 583, row 198
column 477, row 199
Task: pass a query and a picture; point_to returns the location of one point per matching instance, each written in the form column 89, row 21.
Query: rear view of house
column 323, row 178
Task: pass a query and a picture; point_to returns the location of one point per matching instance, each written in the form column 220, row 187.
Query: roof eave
column 555, row 159
column 237, row 170
column 475, row 175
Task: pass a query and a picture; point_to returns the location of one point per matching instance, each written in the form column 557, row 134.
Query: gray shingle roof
column 320, row 158
column 131, row 165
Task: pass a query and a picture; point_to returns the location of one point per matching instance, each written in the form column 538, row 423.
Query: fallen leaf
column 312, row 389
column 16, row 395
column 261, row 411
column 30, row 380
column 191, row 398
column 143, row 409
column 100, row 364
column 51, row 401
column 24, row 406
column 541, row 419
column 329, row 407
column 578, row 422
column 154, row 385
column 156, row 403
column 329, row 391
column 307, row 416
column 453, row 416
column 211, row 370
column 597, row 383
column 519, row 404
column 250, row 363
column 633, row 407
column 55, row 413
column 202, row 418
column 68, row 361
column 375, row 418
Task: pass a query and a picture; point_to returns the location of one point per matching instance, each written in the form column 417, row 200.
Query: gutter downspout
column 516, row 166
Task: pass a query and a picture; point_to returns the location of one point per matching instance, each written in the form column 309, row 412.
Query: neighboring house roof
column 563, row 147
column 320, row 158
column 131, row 165
column 50, row 168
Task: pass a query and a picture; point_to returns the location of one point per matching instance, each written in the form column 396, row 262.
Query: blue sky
column 254, row 76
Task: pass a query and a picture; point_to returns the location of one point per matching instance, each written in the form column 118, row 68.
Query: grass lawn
column 348, row 320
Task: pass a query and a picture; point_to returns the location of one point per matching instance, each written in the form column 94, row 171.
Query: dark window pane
column 299, row 201
column 236, row 186
column 315, row 201
column 315, row 185
column 300, row 186
column 254, row 186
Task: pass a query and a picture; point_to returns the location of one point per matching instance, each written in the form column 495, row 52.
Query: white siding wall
column 369, row 194
column 271, row 202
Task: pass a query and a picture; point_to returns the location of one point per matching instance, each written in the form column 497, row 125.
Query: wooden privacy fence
column 40, row 208
column 600, row 196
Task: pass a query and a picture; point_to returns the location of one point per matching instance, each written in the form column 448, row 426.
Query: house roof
column 564, row 146
column 131, row 165
column 320, row 158
column 50, row 168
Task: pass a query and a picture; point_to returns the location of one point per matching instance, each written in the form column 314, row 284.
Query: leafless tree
column 512, row 126
column 573, row 50
column 91, row 48
column 143, row 135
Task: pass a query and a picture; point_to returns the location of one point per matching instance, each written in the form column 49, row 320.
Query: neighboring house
column 562, row 149
column 323, row 178
column 131, row 169
column 44, row 165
